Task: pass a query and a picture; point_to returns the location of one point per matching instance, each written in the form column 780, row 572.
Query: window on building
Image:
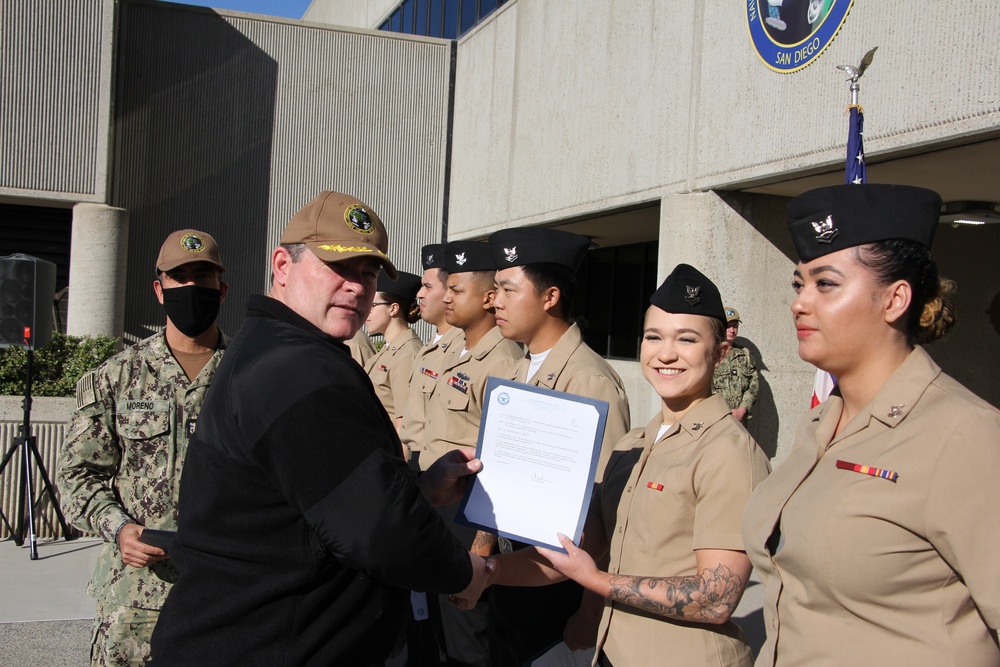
column 439, row 18
column 617, row 277
column 613, row 290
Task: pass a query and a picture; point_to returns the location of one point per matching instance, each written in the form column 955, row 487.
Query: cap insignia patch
column 730, row 312
column 192, row 243
column 357, row 218
column 511, row 254
column 460, row 259
column 692, row 294
column 826, row 232
column 429, row 259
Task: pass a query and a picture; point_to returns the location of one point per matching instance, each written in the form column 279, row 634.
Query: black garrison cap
column 468, row 256
column 829, row 219
column 538, row 245
column 406, row 285
column 432, row 256
column 687, row 290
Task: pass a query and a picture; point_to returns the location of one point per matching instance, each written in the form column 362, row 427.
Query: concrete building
column 655, row 128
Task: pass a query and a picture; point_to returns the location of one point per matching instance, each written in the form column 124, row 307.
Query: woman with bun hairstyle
column 393, row 311
column 877, row 538
column 664, row 524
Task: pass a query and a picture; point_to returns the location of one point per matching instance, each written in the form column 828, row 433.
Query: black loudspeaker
column 27, row 290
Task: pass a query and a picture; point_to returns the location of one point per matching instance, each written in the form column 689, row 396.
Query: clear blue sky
column 293, row 9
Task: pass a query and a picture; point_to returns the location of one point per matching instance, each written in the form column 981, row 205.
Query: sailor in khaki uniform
column 667, row 514
column 536, row 279
column 455, row 405
column 877, row 539
column 454, row 409
column 423, row 377
column 394, row 309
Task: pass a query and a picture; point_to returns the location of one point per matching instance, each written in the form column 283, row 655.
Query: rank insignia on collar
column 697, row 426
column 896, row 410
column 459, row 384
column 460, row 259
column 692, row 294
column 826, row 231
column 551, row 377
column 510, row 254
column 429, row 373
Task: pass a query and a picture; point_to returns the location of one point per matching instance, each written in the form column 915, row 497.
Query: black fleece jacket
column 301, row 528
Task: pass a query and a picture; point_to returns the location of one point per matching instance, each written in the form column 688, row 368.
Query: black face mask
column 192, row 308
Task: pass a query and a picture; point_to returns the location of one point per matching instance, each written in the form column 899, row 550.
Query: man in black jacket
column 302, row 528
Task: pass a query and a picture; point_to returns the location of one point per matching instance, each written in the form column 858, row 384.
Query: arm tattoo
column 707, row 598
column 484, row 543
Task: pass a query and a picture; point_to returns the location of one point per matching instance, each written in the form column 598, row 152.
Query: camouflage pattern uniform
column 121, row 462
column 736, row 379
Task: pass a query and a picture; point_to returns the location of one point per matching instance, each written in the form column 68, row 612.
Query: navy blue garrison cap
column 538, row 245
column 829, row 219
column 432, row 256
column 467, row 256
column 688, row 290
column 406, row 285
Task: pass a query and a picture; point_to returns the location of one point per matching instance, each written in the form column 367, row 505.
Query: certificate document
column 539, row 450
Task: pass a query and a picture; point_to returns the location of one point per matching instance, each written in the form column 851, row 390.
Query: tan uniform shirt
column 361, row 347
column 423, row 377
column 571, row 366
column 390, row 370
column 455, row 404
column 661, row 501
column 868, row 571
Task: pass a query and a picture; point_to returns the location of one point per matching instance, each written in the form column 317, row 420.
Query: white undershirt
column 662, row 432
column 536, row 360
column 437, row 337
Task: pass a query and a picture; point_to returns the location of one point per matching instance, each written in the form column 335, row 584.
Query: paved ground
column 46, row 615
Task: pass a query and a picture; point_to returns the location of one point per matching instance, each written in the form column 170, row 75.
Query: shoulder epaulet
column 86, row 394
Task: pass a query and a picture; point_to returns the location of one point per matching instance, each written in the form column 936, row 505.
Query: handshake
column 483, row 571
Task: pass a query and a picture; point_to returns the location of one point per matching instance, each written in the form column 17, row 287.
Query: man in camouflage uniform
column 736, row 377
column 120, row 467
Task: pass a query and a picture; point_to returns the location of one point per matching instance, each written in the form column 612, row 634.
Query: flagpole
column 854, row 172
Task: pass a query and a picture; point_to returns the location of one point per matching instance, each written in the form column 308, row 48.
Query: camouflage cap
column 336, row 227
column 188, row 245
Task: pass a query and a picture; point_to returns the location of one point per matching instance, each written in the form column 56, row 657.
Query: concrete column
column 97, row 268
column 740, row 241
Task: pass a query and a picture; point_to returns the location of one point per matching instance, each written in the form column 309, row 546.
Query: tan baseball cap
column 188, row 245
column 336, row 227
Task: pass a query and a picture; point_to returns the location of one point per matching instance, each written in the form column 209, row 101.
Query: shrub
column 56, row 367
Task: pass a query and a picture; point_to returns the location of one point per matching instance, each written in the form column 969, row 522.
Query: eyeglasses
column 381, row 303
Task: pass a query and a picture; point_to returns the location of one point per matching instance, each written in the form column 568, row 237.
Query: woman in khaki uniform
column 393, row 311
column 877, row 538
column 670, row 504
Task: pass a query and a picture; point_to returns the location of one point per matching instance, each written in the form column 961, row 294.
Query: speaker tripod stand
column 24, row 522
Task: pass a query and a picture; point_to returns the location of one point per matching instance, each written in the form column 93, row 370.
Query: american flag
column 855, row 173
